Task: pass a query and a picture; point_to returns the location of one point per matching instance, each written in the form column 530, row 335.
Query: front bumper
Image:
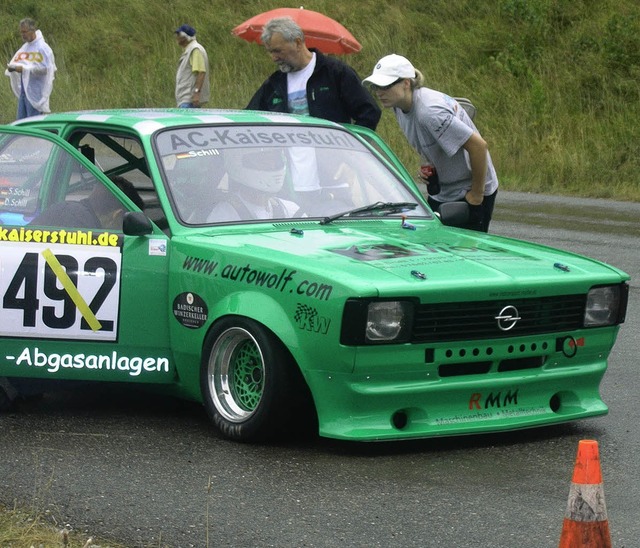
column 448, row 389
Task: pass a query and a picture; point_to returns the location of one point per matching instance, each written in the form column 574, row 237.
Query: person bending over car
column 440, row 130
column 310, row 83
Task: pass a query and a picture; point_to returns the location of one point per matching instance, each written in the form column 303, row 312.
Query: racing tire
column 250, row 383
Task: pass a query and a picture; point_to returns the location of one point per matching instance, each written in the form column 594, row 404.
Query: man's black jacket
column 334, row 92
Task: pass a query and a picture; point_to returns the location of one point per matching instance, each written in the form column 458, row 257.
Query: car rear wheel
column 248, row 381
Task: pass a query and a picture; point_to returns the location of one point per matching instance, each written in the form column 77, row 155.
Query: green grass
column 555, row 81
column 24, row 529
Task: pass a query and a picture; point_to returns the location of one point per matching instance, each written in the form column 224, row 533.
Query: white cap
column 389, row 69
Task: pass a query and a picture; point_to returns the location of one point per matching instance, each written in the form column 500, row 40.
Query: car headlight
column 377, row 322
column 385, row 321
column 606, row 305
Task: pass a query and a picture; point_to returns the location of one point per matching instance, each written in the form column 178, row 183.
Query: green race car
column 287, row 273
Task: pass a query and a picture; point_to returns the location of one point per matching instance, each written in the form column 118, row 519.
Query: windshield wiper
column 381, row 208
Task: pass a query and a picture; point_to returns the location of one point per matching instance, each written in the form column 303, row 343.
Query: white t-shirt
column 303, row 167
column 437, row 127
column 297, row 88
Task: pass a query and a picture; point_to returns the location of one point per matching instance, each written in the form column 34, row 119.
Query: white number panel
column 59, row 291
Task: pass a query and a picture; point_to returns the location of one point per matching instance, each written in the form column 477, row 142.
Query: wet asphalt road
column 151, row 472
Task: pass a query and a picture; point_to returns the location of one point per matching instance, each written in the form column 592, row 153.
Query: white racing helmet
column 260, row 168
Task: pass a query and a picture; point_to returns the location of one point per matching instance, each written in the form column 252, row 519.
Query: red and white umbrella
column 320, row 32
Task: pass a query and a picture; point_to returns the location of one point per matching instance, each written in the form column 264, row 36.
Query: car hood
column 382, row 255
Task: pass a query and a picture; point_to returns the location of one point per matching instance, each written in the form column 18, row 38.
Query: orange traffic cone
column 585, row 521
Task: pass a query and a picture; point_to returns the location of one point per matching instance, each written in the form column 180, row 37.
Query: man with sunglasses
column 444, row 135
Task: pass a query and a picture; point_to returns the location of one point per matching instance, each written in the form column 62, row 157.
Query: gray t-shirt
column 437, row 127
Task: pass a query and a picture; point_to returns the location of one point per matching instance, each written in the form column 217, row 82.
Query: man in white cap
column 192, row 79
column 32, row 71
column 444, row 136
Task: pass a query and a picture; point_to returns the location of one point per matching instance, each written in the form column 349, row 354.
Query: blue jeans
column 25, row 108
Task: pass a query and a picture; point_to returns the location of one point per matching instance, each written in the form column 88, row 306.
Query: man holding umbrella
column 309, row 82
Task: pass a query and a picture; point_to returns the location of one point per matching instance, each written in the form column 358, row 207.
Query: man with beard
column 308, row 82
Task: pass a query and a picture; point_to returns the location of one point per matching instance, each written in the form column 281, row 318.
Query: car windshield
column 221, row 174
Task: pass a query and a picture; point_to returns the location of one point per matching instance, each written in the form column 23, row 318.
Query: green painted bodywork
column 297, row 285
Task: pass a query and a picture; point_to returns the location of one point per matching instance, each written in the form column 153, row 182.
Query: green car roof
column 171, row 117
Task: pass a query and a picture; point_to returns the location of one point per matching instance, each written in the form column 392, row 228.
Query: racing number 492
column 25, row 282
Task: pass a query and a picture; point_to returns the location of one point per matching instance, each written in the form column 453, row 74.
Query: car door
column 79, row 298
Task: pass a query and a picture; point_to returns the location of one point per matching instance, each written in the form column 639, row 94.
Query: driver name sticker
column 59, row 291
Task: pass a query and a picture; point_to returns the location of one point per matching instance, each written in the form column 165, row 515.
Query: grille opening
column 518, row 364
column 458, row 321
column 461, row 369
column 399, row 420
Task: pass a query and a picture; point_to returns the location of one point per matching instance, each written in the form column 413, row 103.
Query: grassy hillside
column 556, row 82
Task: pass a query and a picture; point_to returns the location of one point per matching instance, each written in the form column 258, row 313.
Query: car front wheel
column 248, row 380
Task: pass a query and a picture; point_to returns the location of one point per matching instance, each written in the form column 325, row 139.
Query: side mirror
column 454, row 213
column 136, row 223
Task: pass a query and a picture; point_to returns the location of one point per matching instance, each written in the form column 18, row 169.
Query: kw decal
column 308, row 319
